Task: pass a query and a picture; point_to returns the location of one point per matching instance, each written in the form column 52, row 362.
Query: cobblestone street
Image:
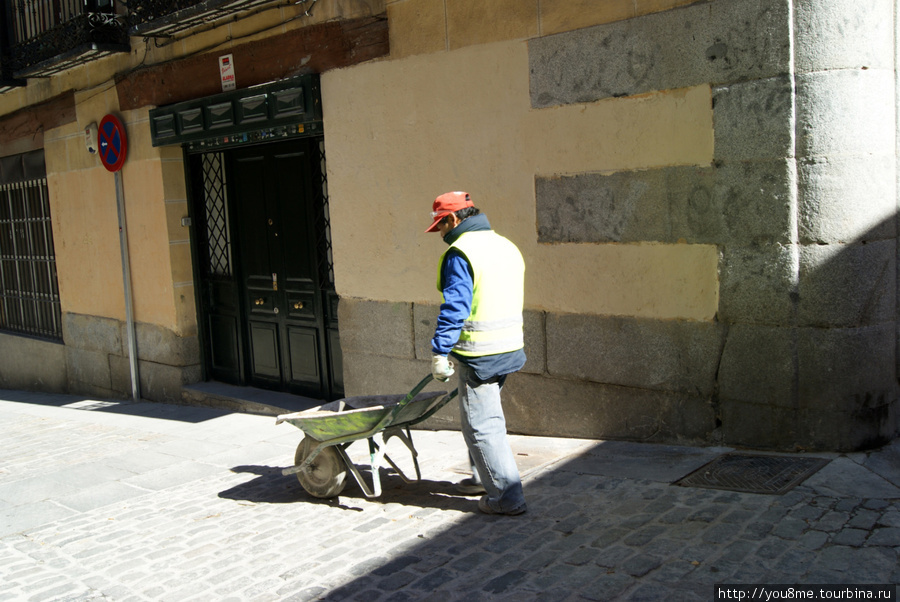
column 104, row 501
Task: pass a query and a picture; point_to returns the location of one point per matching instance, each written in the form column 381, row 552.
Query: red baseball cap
column 447, row 203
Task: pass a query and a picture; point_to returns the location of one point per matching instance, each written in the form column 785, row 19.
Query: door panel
column 301, row 305
column 304, row 355
column 265, row 350
column 225, row 349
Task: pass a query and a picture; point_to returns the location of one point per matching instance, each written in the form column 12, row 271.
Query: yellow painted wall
column 86, row 224
column 449, row 110
column 82, row 192
column 86, row 238
column 398, row 133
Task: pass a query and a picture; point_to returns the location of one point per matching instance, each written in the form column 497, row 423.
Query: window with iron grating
column 29, row 290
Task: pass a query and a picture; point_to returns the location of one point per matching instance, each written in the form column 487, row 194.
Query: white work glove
column 441, row 368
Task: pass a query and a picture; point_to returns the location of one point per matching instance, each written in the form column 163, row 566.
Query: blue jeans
column 484, row 429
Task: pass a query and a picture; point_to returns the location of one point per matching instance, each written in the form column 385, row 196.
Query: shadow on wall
column 810, row 348
column 802, row 354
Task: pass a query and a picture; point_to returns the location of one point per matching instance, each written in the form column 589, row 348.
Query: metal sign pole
column 113, row 146
column 126, row 278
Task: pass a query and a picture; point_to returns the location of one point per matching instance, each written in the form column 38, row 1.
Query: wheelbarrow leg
column 374, row 491
column 406, row 438
column 376, row 454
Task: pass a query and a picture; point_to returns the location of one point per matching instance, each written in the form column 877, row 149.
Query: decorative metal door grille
column 218, row 243
column 29, row 290
column 323, row 221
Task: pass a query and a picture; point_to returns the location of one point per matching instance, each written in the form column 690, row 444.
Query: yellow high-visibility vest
column 495, row 324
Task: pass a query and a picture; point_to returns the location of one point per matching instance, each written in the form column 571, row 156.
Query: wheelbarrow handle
column 389, row 419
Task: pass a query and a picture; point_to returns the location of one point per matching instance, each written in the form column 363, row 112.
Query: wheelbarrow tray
column 321, row 460
column 359, row 415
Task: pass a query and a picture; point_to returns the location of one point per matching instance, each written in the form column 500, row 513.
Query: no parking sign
column 112, row 143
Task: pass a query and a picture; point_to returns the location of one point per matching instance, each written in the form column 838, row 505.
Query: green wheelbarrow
column 321, row 462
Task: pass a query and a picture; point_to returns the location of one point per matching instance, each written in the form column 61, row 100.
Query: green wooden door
column 279, row 330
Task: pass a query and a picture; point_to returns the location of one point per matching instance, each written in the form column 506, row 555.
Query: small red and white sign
column 226, row 70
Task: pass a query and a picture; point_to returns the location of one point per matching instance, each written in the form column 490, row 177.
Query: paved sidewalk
column 125, row 501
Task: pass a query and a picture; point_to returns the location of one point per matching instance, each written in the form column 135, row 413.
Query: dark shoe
column 484, row 507
column 469, row 487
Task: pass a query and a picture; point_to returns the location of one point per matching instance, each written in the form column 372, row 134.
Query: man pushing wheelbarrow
column 481, row 278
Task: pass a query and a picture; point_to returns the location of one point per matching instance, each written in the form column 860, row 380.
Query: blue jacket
column 457, row 282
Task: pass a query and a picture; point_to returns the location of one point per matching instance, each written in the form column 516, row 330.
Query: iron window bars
column 29, row 290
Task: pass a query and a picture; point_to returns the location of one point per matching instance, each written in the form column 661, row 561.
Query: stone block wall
column 799, row 200
column 778, row 175
column 804, row 221
column 585, row 376
column 32, row 364
column 97, row 361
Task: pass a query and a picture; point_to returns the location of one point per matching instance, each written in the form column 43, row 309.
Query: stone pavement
column 142, row 501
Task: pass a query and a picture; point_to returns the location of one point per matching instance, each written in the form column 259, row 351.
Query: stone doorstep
column 248, row 400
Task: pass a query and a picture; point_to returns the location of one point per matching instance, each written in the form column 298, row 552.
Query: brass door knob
column 260, row 301
column 298, row 305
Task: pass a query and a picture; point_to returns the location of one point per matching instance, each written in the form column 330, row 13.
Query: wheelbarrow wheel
column 326, row 476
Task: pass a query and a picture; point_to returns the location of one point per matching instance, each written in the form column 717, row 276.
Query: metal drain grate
column 753, row 473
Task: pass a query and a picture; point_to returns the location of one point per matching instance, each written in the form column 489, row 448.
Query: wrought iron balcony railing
column 39, row 38
column 49, row 36
column 165, row 18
